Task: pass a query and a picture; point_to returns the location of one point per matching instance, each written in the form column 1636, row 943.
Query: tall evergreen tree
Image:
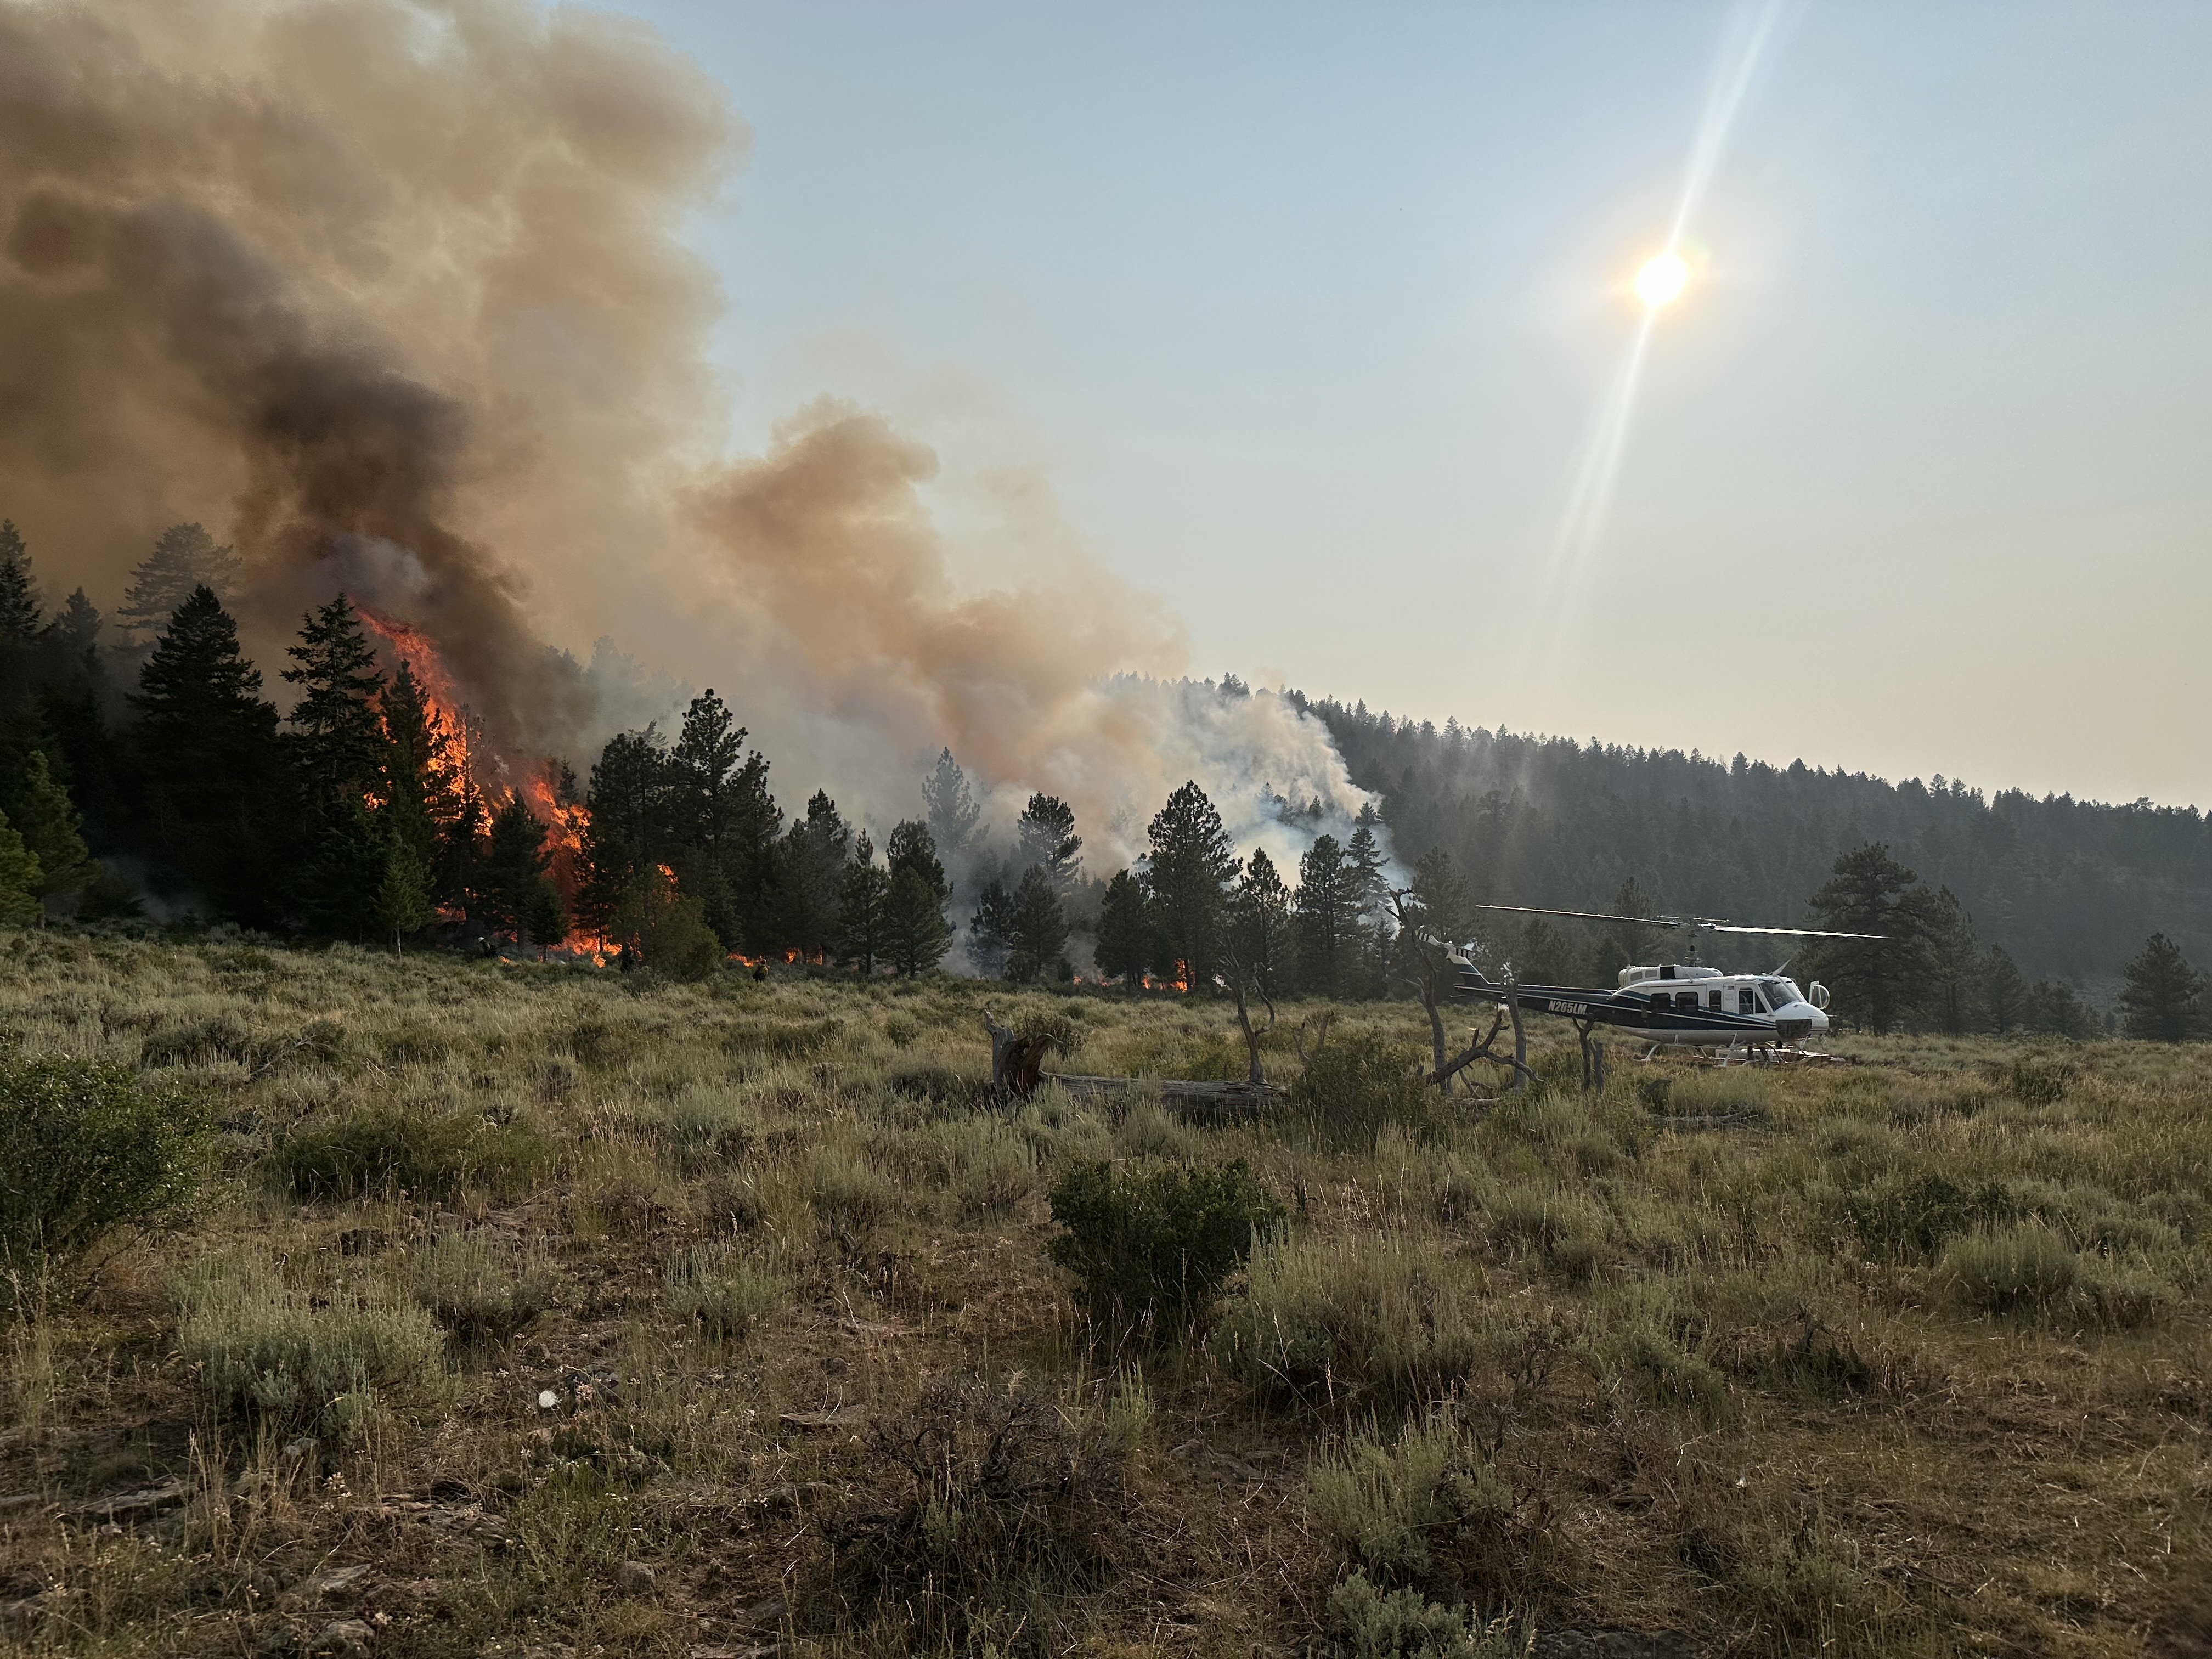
column 917, row 935
column 2003, row 991
column 1260, row 935
column 19, row 590
column 1368, row 863
column 1126, row 932
column 513, row 892
column 953, row 811
column 816, row 850
column 2163, row 1000
column 20, row 877
column 723, row 823
column 631, row 829
column 862, row 906
column 185, row 557
column 207, row 745
column 338, row 725
column 1870, row 892
column 991, row 930
column 1188, row 873
column 42, row 812
column 1329, row 910
column 1633, row 943
column 426, row 804
column 1047, row 838
column 1952, row 999
column 1036, row 926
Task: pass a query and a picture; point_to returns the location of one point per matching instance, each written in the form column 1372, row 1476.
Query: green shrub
column 390, row 1149
column 1356, row 1086
column 1917, row 1217
column 2039, row 1082
column 1150, row 1250
column 848, row 1192
column 723, row 1289
column 269, row 1351
column 211, row 1041
column 85, row 1149
column 482, row 1288
column 2013, row 1270
column 1424, row 1508
column 1375, row 1321
column 1403, row 1624
column 2029, row 1272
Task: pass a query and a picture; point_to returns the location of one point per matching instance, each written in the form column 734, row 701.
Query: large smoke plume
column 398, row 295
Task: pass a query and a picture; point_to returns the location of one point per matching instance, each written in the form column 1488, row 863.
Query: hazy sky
column 1308, row 318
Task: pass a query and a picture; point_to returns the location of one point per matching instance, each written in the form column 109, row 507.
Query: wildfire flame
column 459, row 762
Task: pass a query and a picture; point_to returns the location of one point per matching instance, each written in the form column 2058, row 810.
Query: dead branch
column 1326, row 1019
column 1481, row 1048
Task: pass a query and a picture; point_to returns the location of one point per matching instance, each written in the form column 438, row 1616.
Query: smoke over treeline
column 396, row 297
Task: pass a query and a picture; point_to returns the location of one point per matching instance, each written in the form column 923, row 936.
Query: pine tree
column 207, row 744
column 1037, row 926
column 630, row 831
column 1328, row 916
column 991, row 930
column 403, row 895
column 1368, row 863
column 917, row 935
column 47, row 822
column 1260, row 932
column 1870, row 892
column 1125, row 930
column 512, row 883
column 185, row 558
column 953, row 812
column 815, row 851
column 20, row 877
column 863, row 900
column 2163, row 1000
column 1953, row 1001
column 338, row 727
column 74, row 633
column 1188, row 873
column 19, row 590
column 1048, row 838
column 1432, row 915
column 2003, row 991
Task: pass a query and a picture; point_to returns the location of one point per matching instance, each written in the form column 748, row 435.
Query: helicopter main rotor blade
column 1787, row 932
column 1583, row 915
column 1699, row 923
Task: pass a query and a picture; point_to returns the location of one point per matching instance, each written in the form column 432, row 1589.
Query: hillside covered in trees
column 2069, row 889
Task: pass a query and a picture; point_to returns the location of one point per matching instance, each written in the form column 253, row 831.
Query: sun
column 1661, row 279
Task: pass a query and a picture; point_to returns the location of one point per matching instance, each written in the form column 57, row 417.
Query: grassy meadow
column 524, row 1311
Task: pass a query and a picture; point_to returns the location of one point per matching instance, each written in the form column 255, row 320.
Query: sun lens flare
column 1661, row 279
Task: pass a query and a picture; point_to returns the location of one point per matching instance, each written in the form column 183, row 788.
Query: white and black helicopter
column 1676, row 1002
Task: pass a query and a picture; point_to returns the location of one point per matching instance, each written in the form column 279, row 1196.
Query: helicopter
column 1675, row 1002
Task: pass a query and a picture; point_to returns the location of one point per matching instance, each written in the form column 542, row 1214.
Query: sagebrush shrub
column 1354, row 1088
column 1423, row 1507
column 724, row 1290
column 1151, row 1248
column 85, row 1149
column 2029, row 1272
column 481, row 1287
column 1403, row 1624
column 270, row 1351
column 392, row 1149
column 1377, row 1321
column 850, row 1194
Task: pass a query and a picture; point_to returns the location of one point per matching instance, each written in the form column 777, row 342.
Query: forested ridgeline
column 2068, row 888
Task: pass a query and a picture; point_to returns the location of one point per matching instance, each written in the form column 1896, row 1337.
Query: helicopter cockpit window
column 1780, row 993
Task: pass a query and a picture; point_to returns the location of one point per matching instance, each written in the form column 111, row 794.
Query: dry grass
column 593, row 1314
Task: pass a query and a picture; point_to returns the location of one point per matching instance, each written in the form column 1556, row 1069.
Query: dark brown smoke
column 397, row 297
